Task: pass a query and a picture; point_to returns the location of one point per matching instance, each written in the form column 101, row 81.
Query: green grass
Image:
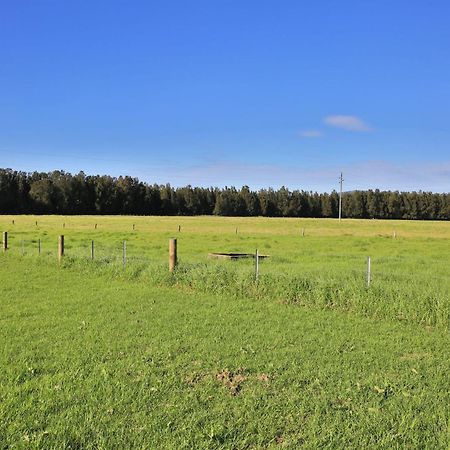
column 324, row 269
column 95, row 356
column 94, row 362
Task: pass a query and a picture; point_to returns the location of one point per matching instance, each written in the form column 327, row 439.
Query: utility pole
column 340, row 196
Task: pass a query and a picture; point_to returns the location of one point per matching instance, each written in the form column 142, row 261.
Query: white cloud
column 350, row 123
column 310, row 133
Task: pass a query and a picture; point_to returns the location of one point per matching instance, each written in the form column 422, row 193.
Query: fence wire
column 383, row 268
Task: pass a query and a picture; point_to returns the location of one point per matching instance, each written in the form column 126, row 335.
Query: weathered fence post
column 303, row 232
column 39, row 246
column 133, row 226
column 368, row 271
column 92, row 250
column 60, row 247
column 5, row 241
column 124, row 254
column 236, row 230
column 172, row 254
column 179, row 228
column 394, row 235
column 95, row 226
column 256, row 265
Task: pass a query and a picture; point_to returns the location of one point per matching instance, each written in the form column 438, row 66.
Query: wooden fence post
column 5, row 241
column 60, row 247
column 39, row 246
column 92, row 250
column 172, row 254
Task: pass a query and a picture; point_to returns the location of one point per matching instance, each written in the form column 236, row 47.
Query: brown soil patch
column 263, row 377
column 232, row 380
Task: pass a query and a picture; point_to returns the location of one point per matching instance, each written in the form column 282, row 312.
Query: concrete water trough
column 234, row 255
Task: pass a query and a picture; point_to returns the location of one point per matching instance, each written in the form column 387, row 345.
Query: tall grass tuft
column 388, row 297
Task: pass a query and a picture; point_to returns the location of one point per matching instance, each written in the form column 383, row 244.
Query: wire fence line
column 378, row 268
column 91, row 250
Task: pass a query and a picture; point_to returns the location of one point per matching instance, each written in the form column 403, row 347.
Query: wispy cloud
column 310, row 133
column 350, row 123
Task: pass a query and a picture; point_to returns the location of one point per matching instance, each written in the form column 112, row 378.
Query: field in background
column 313, row 262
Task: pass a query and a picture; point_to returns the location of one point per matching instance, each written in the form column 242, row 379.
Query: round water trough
column 234, row 255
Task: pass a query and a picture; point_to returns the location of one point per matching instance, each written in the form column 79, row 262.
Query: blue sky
column 219, row 93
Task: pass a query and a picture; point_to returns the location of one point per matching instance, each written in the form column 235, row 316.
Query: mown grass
column 94, row 361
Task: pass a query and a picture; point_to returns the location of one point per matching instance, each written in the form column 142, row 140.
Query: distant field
column 324, row 268
column 95, row 355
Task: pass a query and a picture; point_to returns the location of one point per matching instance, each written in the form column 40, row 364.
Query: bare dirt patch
column 232, row 380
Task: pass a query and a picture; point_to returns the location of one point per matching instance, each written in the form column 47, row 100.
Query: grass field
column 325, row 268
column 97, row 356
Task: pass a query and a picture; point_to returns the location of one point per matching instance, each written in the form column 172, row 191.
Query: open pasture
column 313, row 262
column 98, row 356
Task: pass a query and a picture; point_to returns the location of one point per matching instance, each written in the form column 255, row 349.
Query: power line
column 340, row 196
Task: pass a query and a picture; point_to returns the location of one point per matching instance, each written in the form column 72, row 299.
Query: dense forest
column 59, row 192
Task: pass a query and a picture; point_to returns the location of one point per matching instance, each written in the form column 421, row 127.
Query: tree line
column 59, row 192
